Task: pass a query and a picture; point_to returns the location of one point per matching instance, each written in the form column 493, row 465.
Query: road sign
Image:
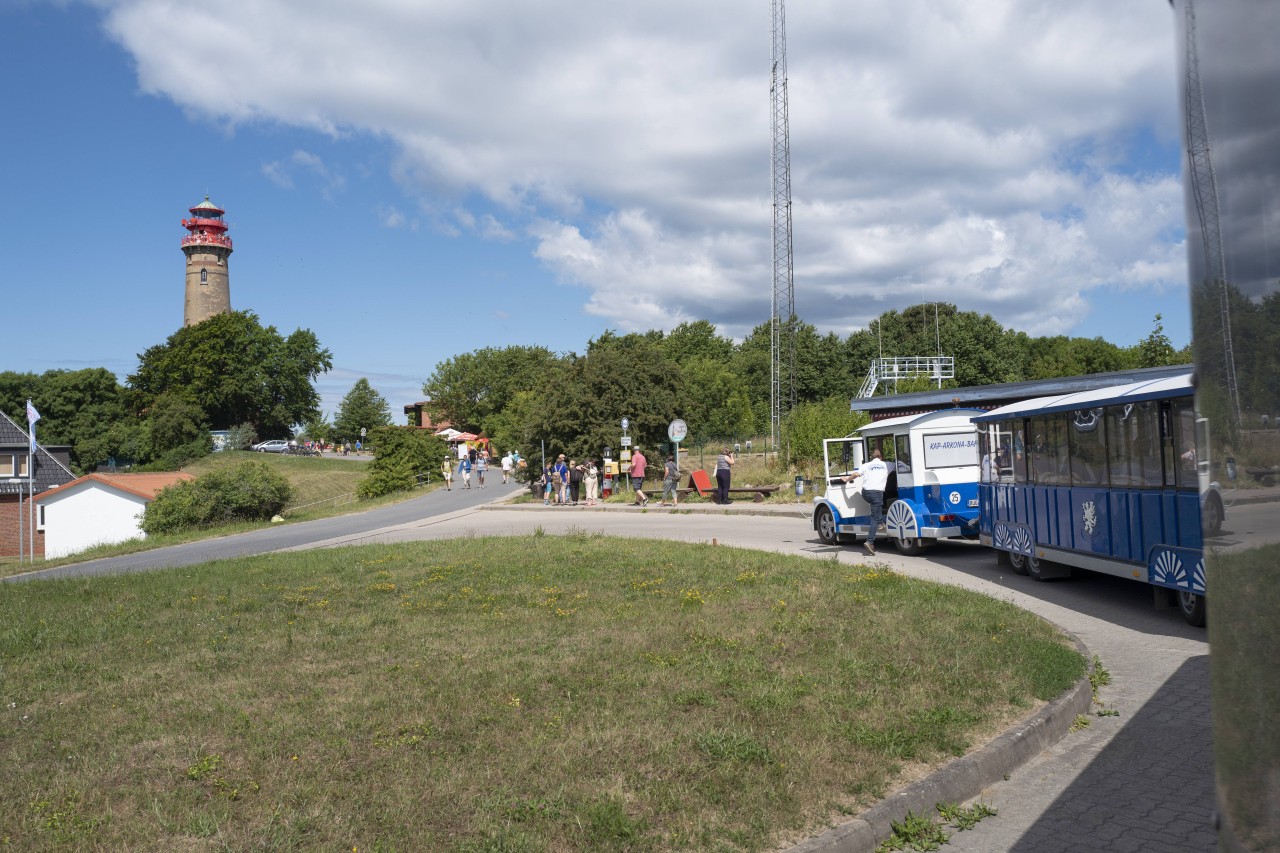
column 677, row 430
column 625, row 423
column 362, row 432
column 626, row 441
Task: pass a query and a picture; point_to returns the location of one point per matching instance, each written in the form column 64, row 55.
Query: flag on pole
column 32, row 417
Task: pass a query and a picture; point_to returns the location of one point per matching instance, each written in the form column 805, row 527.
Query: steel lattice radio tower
column 1205, row 186
column 782, row 369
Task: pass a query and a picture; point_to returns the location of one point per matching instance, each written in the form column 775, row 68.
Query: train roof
column 961, row 416
column 1134, row 392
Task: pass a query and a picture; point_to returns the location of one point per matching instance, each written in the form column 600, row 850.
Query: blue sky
column 413, row 182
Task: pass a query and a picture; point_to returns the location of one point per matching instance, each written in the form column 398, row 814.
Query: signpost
column 676, row 431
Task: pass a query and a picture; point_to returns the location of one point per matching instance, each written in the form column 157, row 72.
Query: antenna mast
column 1204, row 184
column 782, row 369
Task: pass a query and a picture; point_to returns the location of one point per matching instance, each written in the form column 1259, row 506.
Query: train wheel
column 1018, row 562
column 1193, row 608
column 827, row 527
column 1036, row 569
column 910, row 547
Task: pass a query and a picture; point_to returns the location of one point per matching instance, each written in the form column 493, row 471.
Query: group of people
column 472, row 459
column 562, row 481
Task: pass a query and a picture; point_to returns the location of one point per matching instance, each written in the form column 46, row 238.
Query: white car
column 275, row 445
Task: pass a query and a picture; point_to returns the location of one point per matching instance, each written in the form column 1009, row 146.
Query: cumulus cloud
column 982, row 153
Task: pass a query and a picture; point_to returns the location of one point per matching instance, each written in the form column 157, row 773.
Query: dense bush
column 250, row 491
column 400, row 455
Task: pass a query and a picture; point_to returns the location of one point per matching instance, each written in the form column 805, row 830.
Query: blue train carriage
column 1113, row 480
column 932, row 491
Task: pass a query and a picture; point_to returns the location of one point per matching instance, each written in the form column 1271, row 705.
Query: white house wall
column 89, row 515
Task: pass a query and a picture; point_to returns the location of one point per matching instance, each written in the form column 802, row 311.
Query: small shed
column 98, row 509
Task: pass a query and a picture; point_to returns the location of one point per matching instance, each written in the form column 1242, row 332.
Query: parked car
column 275, row 445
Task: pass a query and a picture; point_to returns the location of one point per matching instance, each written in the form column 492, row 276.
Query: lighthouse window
column 204, row 276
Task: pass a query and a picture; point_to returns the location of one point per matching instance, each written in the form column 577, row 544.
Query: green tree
column 317, row 428
column 697, row 340
column 620, row 376
column 808, row 424
column 1155, row 350
column 87, row 410
column 239, row 372
column 468, row 390
column 362, row 408
column 176, row 432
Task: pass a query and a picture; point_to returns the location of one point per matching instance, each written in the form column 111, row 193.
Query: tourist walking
column 482, row 465
column 466, row 473
column 508, row 464
column 446, row 470
column 638, row 464
column 670, row 480
column 724, row 465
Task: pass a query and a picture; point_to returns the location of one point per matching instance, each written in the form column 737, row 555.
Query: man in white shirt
column 507, row 464
column 875, row 476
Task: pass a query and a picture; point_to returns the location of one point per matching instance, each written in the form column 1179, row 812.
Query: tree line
column 522, row 395
column 231, row 372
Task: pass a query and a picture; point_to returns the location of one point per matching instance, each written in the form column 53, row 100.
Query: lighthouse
column 207, row 248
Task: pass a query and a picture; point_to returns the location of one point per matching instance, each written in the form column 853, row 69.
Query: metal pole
column 31, row 497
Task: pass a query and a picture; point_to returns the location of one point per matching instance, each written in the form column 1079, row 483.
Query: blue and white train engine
column 932, row 491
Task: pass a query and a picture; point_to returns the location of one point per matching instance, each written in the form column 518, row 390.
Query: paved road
column 1141, row 781
column 430, row 507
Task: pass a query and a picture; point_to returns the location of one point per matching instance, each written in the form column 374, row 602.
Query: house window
column 40, row 517
column 13, row 465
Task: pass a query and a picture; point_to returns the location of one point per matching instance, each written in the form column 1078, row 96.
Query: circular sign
column 362, row 432
column 625, row 423
column 677, row 430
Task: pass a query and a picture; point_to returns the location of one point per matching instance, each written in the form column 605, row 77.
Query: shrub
column 251, row 491
column 400, row 454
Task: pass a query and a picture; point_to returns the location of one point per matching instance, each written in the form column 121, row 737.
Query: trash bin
column 799, row 486
column 606, row 488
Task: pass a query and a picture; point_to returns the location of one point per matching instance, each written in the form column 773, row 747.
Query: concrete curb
column 964, row 778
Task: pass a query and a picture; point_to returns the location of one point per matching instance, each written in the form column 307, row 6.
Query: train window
column 1182, row 455
column 1049, row 452
column 902, row 453
column 1019, row 451
column 1086, row 438
column 994, row 443
column 1133, row 445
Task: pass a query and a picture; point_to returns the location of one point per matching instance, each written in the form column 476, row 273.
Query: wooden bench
column 701, row 483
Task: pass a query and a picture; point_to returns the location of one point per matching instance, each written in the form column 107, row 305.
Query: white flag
column 32, row 417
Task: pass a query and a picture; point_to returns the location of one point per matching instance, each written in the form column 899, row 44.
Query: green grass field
column 531, row 694
column 313, row 478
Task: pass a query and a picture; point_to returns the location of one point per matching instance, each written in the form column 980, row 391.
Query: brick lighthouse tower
column 207, row 248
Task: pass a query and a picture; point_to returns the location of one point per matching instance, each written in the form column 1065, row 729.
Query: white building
column 98, row 509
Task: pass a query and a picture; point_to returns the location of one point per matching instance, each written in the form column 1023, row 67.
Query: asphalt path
column 1139, row 780
column 434, row 505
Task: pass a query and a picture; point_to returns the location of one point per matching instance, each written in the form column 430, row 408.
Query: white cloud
column 281, row 172
column 976, row 152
